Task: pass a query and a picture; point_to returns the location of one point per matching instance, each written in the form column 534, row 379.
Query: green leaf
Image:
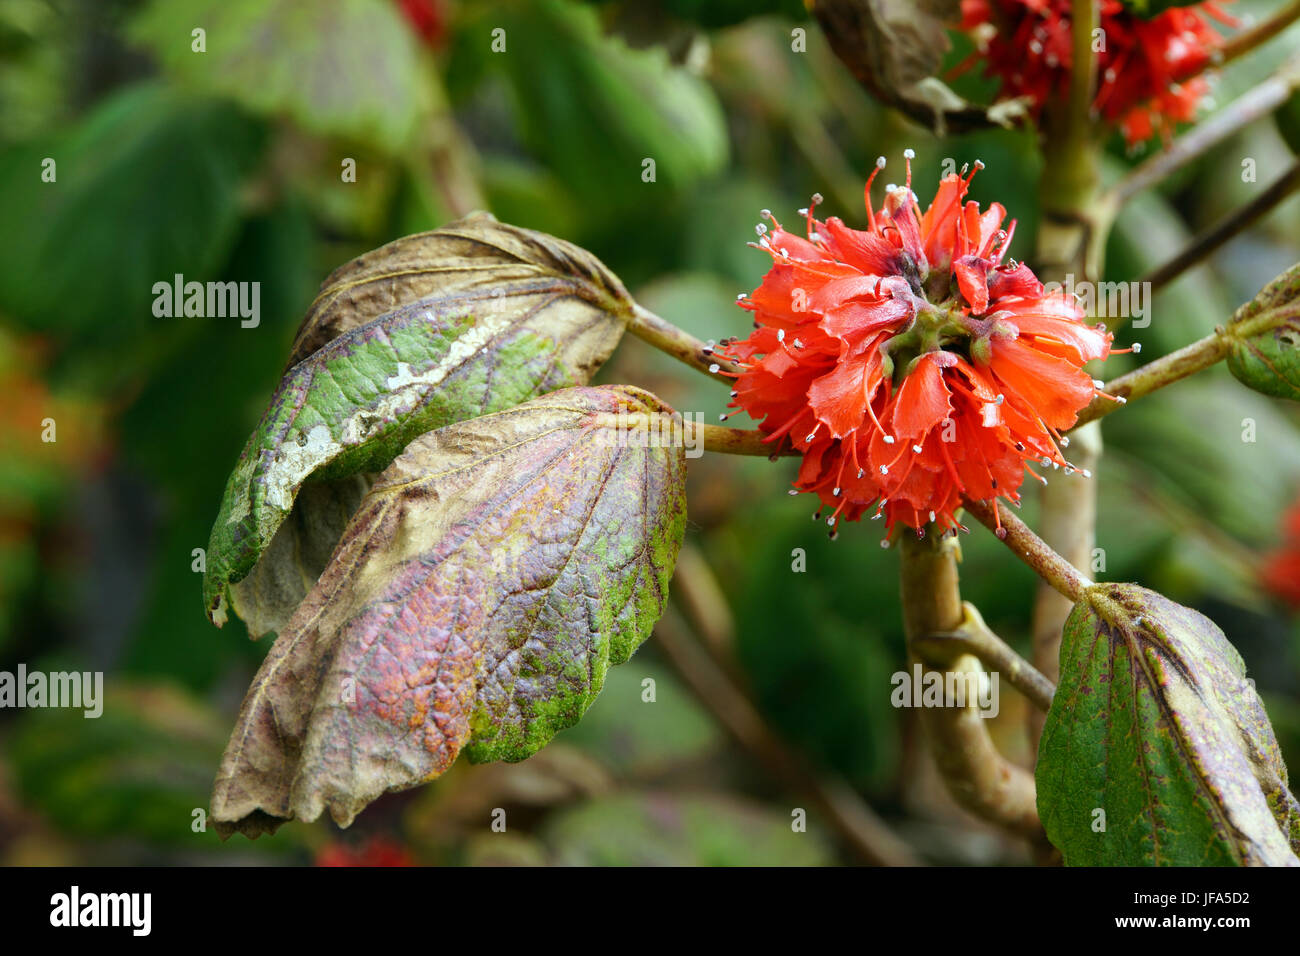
column 339, row 67
column 431, row 329
column 80, row 262
column 595, row 114
column 1287, row 118
column 1265, row 339
column 479, row 593
column 1157, row 750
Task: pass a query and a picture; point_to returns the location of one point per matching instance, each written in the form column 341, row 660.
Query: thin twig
column 698, row 593
column 1246, row 41
column 1031, row 549
column 866, row 834
column 1234, row 223
column 679, row 343
column 1252, row 105
column 1188, row 360
column 975, row 637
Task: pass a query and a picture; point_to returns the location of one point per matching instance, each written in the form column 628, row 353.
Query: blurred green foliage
column 229, row 164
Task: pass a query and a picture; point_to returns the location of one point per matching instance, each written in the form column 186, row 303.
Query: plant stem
column 1225, row 229
column 976, row 774
column 863, row 831
column 736, row 441
column 1069, row 194
column 1257, row 35
column 1252, row 105
column 975, row 637
column 1068, row 522
column 678, row 343
column 1032, row 550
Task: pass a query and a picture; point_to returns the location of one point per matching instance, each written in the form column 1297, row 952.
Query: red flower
column 908, row 363
column 1149, row 67
column 1281, row 571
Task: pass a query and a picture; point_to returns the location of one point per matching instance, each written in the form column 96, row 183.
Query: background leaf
column 633, row 103
column 338, row 67
column 149, row 154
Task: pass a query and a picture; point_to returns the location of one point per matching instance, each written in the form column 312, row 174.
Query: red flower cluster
column 1149, row 67
column 907, row 362
column 1281, row 571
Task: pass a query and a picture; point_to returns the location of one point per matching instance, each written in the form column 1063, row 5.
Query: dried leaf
column 431, row 329
column 895, row 49
column 479, row 594
column 298, row 553
column 1157, row 750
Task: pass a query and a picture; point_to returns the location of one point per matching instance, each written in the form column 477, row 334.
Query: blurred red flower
column 1281, row 570
column 376, row 851
column 428, row 18
column 907, row 362
column 1149, row 68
